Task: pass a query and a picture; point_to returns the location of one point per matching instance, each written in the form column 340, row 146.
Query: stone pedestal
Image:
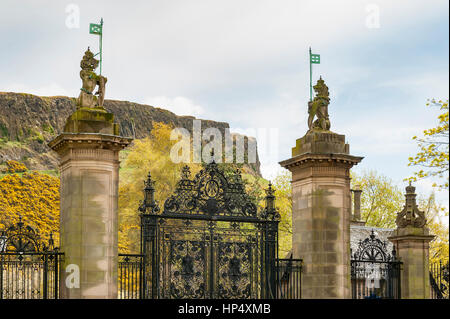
column 411, row 241
column 321, row 212
column 92, row 120
column 89, row 168
column 412, row 246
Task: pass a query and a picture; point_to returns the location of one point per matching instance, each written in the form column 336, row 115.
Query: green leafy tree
column 433, row 156
column 381, row 199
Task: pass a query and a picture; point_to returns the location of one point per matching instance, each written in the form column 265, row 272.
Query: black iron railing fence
column 130, row 276
column 289, row 278
column 439, row 280
column 30, row 275
column 376, row 279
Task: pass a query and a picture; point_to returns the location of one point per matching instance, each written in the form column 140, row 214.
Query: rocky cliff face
column 28, row 122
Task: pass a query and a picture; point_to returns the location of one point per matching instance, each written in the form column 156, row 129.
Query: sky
column 246, row 63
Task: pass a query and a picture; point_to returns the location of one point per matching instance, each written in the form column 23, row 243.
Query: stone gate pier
column 321, row 207
column 411, row 239
column 88, row 150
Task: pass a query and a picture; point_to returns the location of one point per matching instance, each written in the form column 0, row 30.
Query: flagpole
column 101, row 36
column 310, row 75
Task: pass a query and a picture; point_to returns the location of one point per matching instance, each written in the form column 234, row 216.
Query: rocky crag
column 28, row 122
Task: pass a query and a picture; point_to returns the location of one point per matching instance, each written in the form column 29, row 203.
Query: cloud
column 381, row 136
column 271, row 171
column 435, row 84
column 179, row 105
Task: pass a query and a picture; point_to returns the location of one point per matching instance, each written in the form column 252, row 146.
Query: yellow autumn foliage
column 435, row 214
column 150, row 154
column 33, row 196
column 15, row 167
column 283, row 202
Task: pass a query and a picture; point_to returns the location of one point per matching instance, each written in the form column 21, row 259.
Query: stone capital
column 65, row 142
column 413, row 235
column 314, row 159
column 410, row 232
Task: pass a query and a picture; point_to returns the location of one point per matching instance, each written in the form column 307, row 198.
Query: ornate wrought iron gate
column 209, row 241
column 28, row 269
column 375, row 273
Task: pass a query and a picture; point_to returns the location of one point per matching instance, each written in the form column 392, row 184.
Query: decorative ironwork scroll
column 187, row 260
column 23, row 238
column 235, row 270
column 373, row 249
column 210, row 193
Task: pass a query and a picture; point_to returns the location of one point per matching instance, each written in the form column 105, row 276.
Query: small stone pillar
column 356, row 216
column 411, row 241
column 88, row 150
column 321, row 210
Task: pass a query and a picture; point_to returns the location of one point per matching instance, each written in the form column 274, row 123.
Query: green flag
column 95, row 29
column 315, row 58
